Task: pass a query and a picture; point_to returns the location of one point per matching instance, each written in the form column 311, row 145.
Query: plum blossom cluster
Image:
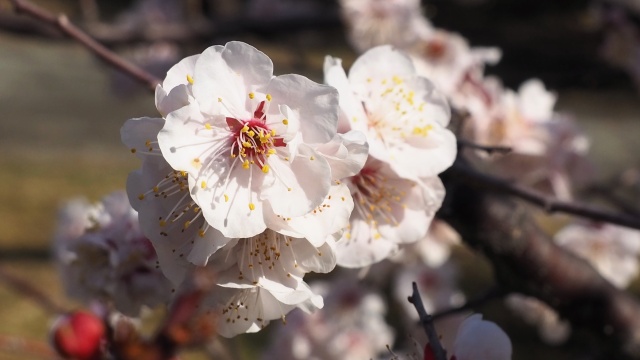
column 103, row 256
column 263, row 178
column 548, row 148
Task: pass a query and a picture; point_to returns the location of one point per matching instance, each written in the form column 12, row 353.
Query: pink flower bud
column 78, row 335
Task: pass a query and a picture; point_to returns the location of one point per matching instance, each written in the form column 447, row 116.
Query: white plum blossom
column 168, row 216
column 479, row 339
column 173, row 222
column 397, row 192
column 103, row 255
column 551, row 328
column 402, row 115
column 249, row 141
column 260, row 279
column 350, row 326
column 612, row 250
column 372, row 23
column 389, row 211
column 449, row 62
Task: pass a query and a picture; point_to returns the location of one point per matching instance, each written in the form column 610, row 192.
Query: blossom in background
column 551, row 328
column 249, row 140
column 103, row 255
column 433, row 250
column 350, row 326
column 612, row 250
column 372, row 23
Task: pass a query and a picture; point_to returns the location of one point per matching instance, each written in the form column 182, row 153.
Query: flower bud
column 78, row 335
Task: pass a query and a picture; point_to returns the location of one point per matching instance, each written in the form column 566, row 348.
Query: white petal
column 314, row 104
column 298, row 187
column 346, row 154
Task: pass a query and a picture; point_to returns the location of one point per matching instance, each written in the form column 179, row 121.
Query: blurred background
column 61, row 110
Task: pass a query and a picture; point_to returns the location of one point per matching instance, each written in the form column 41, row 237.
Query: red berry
column 78, row 335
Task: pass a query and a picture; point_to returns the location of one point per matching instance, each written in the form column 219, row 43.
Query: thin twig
column 65, row 26
column 471, row 176
column 490, row 149
column 493, row 293
column 24, row 287
column 427, row 323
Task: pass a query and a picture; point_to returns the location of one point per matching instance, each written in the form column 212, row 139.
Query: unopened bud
column 78, row 335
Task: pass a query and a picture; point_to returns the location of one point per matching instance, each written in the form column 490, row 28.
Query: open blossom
column 612, row 250
column 173, row 222
column 103, row 255
column 260, row 279
column 402, row 115
column 389, row 211
column 350, row 326
column 249, row 141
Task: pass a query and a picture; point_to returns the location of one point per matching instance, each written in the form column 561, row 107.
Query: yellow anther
column 187, row 223
column 141, row 196
column 189, row 79
column 183, row 173
column 251, row 133
column 163, row 223
column 285, row 121
column 312, row 158
column 252, row 206
column 156, row 189
column 203, row 184
column 269, row 97
column 226, row 198
column 219, row 99
column 245, row 164
column 377, row 236
column 271, row 151
column 396, row 79
column 265, row 169
column 289, row 189
column 201, row 233
column 251, row 95
column 133, row 151
column 246, row 144
column 422, row 131
column 347, row 236
column 245, row 128
column 207, row 126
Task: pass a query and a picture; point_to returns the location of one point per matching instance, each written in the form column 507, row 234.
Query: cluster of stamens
column 374, row 197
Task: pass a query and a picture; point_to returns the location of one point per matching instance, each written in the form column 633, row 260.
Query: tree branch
column 471, row 177
column 62, row 23
column 462, row 143
column 526, row 260
column 427, row 323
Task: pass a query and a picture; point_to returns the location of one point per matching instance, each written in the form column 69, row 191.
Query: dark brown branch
column 62, row 23
column 493, row 293
column 427, row 323
column 527, row 261
column 478, row 180
column 462, row 143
